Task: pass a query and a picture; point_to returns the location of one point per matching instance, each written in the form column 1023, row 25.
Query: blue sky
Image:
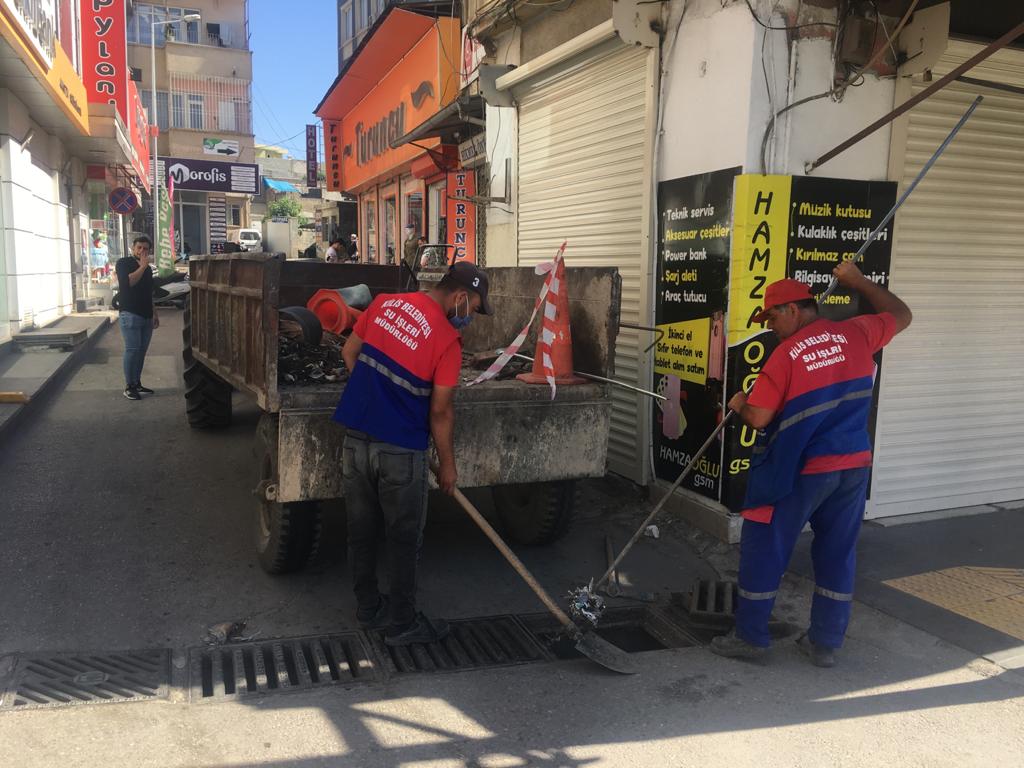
column 295, row 60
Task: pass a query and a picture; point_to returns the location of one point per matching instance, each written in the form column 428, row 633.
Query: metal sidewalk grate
column 710, row 600
column 493, row 641
column 279, row 665
column 85, row 678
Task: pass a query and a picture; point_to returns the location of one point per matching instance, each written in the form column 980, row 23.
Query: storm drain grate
column 84, row 678
column 279, row 665
column 710, row 600
column 631, row 629
column 472, row 644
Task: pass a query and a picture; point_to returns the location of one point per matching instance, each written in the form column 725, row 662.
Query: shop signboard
column 694, row 230
column 798, row 227
column 105, row 54
column 211, row 175
column 311, row 161
column 332, row 154
column 138, row 132
column 461, row 215
column 37, row 20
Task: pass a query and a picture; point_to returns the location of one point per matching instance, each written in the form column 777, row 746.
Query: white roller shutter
column 585, row 141
column 951, row 410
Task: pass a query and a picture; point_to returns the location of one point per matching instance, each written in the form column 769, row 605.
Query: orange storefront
column 402, row 74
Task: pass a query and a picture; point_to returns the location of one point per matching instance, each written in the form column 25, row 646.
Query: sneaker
column 732, row 646
column 378, row 619
column 144, row 390
column 423, row 630
column 820, row 655
column 132, row 394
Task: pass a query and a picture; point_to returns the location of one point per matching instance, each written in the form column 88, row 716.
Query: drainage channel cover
column 494, row 641
column 279, row 665
column 86, row 678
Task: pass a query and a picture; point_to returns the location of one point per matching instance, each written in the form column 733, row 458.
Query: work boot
column 375, row 619
column 422, row 630
column 732, row 646
column 820, row 655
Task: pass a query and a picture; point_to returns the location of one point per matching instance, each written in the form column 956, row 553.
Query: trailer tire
column 207, row 396
column 287, row 536
column 536, row 513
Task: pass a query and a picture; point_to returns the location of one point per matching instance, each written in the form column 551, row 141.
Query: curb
column 59, row 376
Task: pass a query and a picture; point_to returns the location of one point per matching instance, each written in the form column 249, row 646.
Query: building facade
column 203, row 111
column 68, row 136
column 355, row 17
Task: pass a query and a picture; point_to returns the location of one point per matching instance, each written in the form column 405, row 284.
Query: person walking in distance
column 404, row 355
column 811, row 460
column 137, row 316
column 334, row 251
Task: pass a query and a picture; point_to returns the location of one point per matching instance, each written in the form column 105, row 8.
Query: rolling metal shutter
column 951, row 409
column 585, row 147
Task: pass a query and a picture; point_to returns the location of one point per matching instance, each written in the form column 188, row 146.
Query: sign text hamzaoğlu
column 211, row 176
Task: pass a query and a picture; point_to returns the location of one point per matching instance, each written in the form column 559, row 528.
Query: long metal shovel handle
column 657, row 508
column 906, row 193
column 514, row 561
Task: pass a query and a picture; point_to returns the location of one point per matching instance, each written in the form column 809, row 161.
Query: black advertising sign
column 798, row 227
column 211, row 175
column 695, row 215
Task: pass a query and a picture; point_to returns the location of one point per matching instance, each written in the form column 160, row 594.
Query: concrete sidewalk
column 36, row 371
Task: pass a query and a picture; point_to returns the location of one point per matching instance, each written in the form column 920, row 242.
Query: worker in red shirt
column 404, row 356
column 811, row 460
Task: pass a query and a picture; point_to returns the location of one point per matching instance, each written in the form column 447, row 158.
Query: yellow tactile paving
column 993, row 597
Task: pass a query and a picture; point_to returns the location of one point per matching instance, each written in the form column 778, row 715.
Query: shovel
column 590, row 644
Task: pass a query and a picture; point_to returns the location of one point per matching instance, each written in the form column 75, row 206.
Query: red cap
column 782, row 292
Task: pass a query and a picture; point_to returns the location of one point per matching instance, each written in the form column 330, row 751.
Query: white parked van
column 250, row 239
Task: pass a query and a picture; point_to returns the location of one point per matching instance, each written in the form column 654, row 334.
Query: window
column 236, row 215
column 161, row 106
column 178, row 110
column 195, row 112
column 140, row 25
column 346, row 23
column 226, row 116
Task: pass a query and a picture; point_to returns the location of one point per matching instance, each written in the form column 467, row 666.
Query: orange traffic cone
column 555, row 330
column 335, row 315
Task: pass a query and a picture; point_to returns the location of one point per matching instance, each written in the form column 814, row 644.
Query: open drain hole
column 631, row 639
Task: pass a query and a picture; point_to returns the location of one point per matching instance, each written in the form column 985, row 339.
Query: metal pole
column 991, row 48
column 154, row 120
column 906, row 193
column 595, row 377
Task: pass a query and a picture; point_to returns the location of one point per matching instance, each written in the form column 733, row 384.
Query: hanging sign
column 694, row 231
column 105, row 53
column 461, row 215
column 312, row 170
column 798, row 227
column 165, row 237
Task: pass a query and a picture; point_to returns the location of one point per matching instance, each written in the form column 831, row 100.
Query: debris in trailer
column 473, row 362
column 299, row 362
column 586, row 604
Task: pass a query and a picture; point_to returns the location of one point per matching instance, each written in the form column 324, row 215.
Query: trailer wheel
column 207, row 396
column 287, row 535
column 536, row 513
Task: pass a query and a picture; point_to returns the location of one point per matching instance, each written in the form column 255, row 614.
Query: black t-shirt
column 138, row 298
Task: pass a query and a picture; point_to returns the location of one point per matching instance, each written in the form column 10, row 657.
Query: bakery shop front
column 402, row 74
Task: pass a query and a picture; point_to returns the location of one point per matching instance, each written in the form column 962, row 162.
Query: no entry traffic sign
column 123, row 200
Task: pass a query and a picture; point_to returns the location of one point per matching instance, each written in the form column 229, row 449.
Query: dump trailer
column 510, row 435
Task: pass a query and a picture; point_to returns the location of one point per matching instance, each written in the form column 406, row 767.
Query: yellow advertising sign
column 69, row 90
column 684, row 350
column 760, row 237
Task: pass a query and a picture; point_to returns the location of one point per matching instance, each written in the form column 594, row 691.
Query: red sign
column 462, row 215
column 123, row 200
column 138, row 132
column 105, row 54
column 332, row 154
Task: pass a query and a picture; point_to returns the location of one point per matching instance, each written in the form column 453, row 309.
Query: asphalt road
column 126, row 529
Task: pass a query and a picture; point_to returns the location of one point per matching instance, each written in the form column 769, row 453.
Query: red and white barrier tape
column 549, row 290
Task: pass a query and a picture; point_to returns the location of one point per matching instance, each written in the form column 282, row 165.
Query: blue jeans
column 385, row 489
column 833, row 503
column 136, row 332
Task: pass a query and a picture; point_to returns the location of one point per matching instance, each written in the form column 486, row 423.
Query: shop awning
column 393, row 34
column 458, row 121
column 280, row 186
